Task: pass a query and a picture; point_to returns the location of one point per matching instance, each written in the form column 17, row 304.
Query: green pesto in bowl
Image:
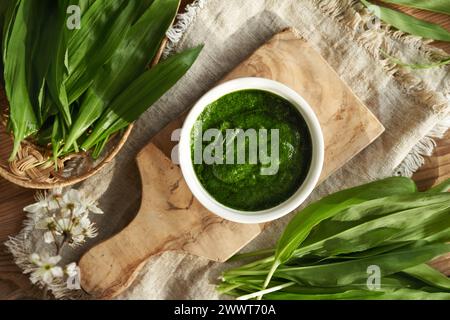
column 239, row 176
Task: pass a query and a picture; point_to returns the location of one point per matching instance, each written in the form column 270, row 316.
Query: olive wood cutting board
column 171, row 218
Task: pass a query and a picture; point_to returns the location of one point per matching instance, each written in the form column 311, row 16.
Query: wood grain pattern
column 14, row 285
column 171, row 218
column 435, row 170
column 437, row 167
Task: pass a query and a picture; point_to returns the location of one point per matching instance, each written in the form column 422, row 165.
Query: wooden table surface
column 15, row 285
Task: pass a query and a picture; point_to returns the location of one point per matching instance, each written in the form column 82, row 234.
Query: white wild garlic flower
column 46, row 268
column 63, row 218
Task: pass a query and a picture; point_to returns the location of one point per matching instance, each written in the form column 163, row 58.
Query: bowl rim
column 305, row 189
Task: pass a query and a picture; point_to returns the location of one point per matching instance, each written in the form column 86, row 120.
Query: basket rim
column 29, row 184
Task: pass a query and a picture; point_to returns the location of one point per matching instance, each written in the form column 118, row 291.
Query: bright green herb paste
column 242, row 186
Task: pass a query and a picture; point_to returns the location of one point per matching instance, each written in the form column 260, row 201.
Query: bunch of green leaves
column 74, row 89
column 327, row 248
column 414, row 26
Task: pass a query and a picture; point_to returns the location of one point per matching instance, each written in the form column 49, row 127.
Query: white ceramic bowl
column 303, row 191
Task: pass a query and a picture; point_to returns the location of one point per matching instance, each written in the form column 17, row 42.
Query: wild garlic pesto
column 249, row 185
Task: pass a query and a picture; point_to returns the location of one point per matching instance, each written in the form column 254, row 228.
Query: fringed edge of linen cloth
column 424, row 148
column 355, row 16
column 183, row 22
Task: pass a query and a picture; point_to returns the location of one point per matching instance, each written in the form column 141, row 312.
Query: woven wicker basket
column 31, row 169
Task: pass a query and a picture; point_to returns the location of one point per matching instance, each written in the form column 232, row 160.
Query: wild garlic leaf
column 57, row 137
column 429, row 275
column 10, row 10
column 391, row 286
column 440, row 6
column 412, row 294
column 58, row 71
column 105, row 19
column 354, row 271
column 394, row 219
column 409, row 24
column 99, row 147
column 3, row 8
column 136, row 50
column 398, row 294
column 40, row 57
column 22, row 119
column 345, row 295
column 304, row 221
column 141, row 94
column 4, row 5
